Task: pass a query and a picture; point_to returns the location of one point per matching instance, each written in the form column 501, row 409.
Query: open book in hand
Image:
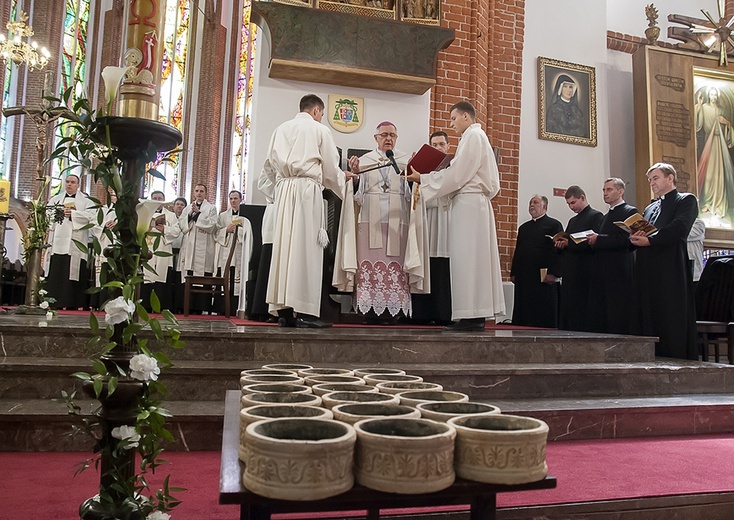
column 581, row 236
column 558, row 236
column 636, row 223
column 428, row 159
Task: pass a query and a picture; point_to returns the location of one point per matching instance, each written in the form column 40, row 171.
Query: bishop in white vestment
column 470, row 181
column 382, row 228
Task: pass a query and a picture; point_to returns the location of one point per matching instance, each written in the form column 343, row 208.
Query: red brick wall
column 484, row 66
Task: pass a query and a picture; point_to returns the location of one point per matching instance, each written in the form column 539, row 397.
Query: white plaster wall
column 573, row 31
column 275, row 101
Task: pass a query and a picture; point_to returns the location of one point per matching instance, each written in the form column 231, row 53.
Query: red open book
column 428, row 159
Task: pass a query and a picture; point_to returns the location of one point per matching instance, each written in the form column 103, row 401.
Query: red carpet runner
column 42, row 486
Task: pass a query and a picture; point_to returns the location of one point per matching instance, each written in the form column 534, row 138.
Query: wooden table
column 481, row 497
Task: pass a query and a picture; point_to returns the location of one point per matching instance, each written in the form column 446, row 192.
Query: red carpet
column 42, row 486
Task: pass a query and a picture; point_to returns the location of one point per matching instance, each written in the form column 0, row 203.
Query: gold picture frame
column 566, row 102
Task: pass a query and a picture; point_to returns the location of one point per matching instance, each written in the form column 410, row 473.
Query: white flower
column 43, row 324
column 111, row 77
column 144, row 368
column 118, row 310
column 43, row 305
column 158, row 515
column 42, row 292
column 49, row 315
column 145, row 210
column 127, row 433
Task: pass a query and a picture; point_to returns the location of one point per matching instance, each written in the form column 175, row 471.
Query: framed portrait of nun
column 566, row 102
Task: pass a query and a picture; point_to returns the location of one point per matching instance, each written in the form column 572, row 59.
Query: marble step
column 67, row 336
column 44, row 425
column 619, row 417
column 33, row 378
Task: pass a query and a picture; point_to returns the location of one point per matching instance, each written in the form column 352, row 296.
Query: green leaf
column 82, row 247
column 97, row 385
column 99, row 367
column 155, row 303
column 111, row 385
column 155, row 173
column 93, row 323
column 81, row 375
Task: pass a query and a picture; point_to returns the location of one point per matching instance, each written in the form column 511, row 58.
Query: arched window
column 173, row 82
column 243, row 108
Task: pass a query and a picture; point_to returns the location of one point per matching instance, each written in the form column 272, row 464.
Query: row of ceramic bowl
column 294, row 450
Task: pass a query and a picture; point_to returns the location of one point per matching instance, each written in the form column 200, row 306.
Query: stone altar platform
column 584, row 385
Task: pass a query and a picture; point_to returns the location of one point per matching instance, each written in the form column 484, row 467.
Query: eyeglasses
column 385, row 135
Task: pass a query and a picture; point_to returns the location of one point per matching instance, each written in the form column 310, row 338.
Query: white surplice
column 470, row 182
column 198, row 247
column 302, row 160
column 61, row 235
column 224, row 243
column 160, row 264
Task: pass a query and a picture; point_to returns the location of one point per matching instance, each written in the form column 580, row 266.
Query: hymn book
column 636, row 223
column 428, row 159
column 558, row 236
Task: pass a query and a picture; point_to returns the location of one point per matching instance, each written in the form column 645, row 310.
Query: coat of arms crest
column 345, row 113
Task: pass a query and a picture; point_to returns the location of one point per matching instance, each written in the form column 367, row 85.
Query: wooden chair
column 212, row 285
column 715, row 306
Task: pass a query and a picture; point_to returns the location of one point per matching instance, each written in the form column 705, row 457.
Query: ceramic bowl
column 443, row 411
column 414, row 397
column 334, row 398
column 354, row 412
column 259, row 398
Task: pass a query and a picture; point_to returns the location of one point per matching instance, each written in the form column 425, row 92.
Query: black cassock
column 576, row 262
column 536, row 303
column 611, row 308
column 663, row 278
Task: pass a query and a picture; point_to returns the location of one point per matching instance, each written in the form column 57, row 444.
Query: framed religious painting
column 713, row 115
column 566, row 102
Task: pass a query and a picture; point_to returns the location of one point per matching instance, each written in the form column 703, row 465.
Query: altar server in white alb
column 198, row 224
column 302, row 160
column 161, row 280
column 65, row 265
column 230, row 222
column 470, row 182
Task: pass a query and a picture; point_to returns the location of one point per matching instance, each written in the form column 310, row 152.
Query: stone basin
column 414, row 397
column 299, row 458
column 395, row 387
column 351, row 413
column 407, row 456
column 281, row 388
column 325, row 388
column 334, row 398
column 271, row 378
column 316, row 371
column 315, row 380
column 260, row 398
column 361, row 372
column 265, row 372
column 290, row 367
column 500, row 449
column 262, row 412
column 443, row 411
column 373, row 379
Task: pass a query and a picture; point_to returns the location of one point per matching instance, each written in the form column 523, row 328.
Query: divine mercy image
column 714, row 112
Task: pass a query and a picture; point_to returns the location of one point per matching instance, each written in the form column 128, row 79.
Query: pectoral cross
column 385, row 187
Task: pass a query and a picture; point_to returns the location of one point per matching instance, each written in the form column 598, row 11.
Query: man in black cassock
column 663, row 277
column 536, row 298
column 611, row 308
column 576, row 261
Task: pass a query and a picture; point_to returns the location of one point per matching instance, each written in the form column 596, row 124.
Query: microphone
column 391, row 155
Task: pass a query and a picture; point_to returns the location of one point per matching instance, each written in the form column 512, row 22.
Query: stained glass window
column 243, row 107
column 73, row 63
column 173, row 78
column 8, row 100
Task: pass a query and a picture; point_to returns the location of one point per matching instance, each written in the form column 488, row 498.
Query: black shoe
column 467, row 325
column 303, row 323
column 286, row 322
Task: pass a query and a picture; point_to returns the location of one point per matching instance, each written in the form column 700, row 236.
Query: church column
column 484, row 65
column 207, row 87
